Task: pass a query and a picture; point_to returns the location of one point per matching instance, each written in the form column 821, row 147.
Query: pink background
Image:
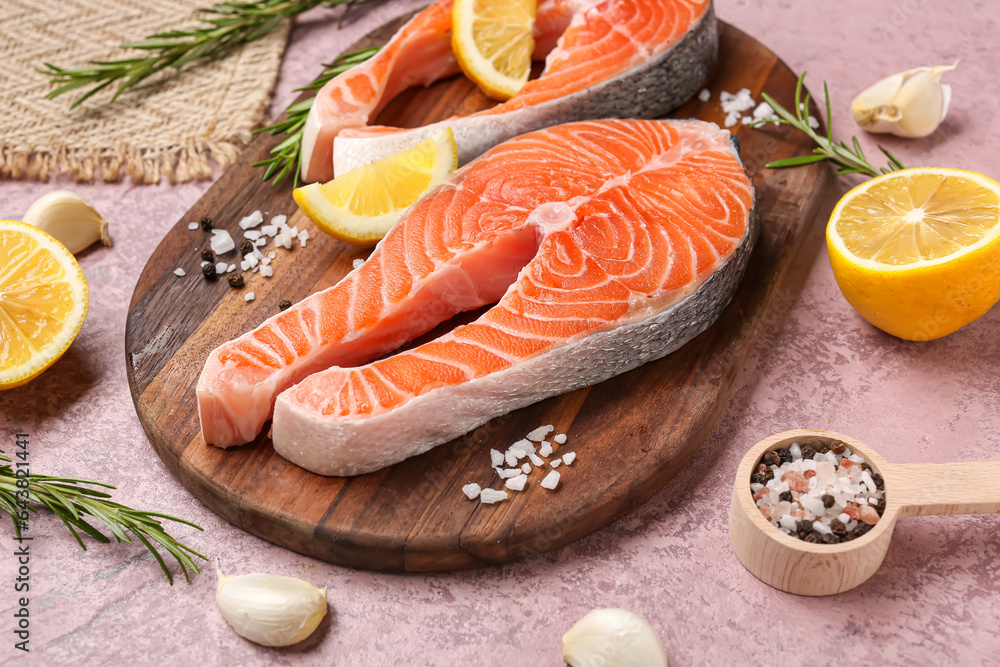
column 934, row 601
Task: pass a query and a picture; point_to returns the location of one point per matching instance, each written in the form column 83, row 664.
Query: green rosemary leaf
column 795, row 161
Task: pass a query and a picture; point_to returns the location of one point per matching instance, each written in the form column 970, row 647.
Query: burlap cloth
column 170, row 130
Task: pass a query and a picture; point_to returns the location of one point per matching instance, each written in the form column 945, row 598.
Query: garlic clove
column 270, row 610
column 908, row 104
column 614, row 638
column 70, row 219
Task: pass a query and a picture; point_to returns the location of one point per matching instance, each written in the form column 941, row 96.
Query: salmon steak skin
column 604, row 245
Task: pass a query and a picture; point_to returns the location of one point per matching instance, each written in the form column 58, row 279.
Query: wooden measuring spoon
column 803, row 568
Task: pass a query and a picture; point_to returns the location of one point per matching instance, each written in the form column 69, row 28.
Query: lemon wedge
column 917, row 252
column 493, row 41
column 362, row 205
column 43, row 302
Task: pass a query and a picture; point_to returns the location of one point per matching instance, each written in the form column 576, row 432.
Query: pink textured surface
column 934, row 601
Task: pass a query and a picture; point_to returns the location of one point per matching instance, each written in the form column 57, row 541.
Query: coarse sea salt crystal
column 231, row 268
column 180, row 272
column 814, row 505
column 560, row 439
column 843, row 518
column 822, row 528
column 251, row 220
column 787, row 522
column 222, row 242
column 813, row 123
column 545, row 449
column 251, row 260
column 260, row 242
column 266, row 271
column 496, row 458
column 490, row 496
column 251, row 234
column 221, row 267
column 249, row 296
column 569, row 457
column 303, row 236
column 510, row 457
column 471, row 490
column 555, row 463
column 534, row 458
column 269, row 230
column 746, row 120
column 526, row 468
column 272, row 254
column 516, row 483
column 205, row 262
column 795, row 451
column 551, row 480
column 869, row 482
column 193, row 226
column 279, row 220
column 539, row 433
column 358, row 263
column 705, row 95
column 507, row 473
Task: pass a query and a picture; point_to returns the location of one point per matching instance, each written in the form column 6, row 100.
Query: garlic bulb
column 613, row 638
column 909, row 104
column 70, row 219
column 268, row 609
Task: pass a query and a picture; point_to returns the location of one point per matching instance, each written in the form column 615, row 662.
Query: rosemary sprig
column 848, row 161
column 74, row 504
column 287, row 155
column 226, row 25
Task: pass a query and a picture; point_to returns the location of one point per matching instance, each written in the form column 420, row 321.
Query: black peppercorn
column 824, row 448
column 784, row 455
column 879, row 482
column 837, row 447
column 284, row 304
column 803, row 528
column 786, row 496
column 236, row 280
column 768, row 475
column 209, row 271
column 808, row 451
column 838, row 527
column 756, row 478
column 880, row 506
column 827, row 500
column 247, row 247
column 770, row 459
column 830, row 539
column 207, row 255
column 206, row 223
column 813, row 537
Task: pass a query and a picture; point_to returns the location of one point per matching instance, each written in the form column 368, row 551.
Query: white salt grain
column 569, row 457
column 507, row 473
column 260, row 242
column 357, row 263
column 534, row 458
column 265, row 261
column 545, row 449
column 510, row 457
column 539, row 433
column 266, row 271
column 221, row 267
column 251, row 220
column 180, row 272
column 705, row 95
column 271, row 254
column 249, row 296
column 471, row 490
column 490, row 496
column 560, row 439
column 496, row 458
column 796, row 451
column 279, row 220
column 269, row 230
column 205, row 262
column 251, row 235
column 551, row 480
column 787, row 522
column 251, row 261
column 231, row 268
column 555, row 463
column 526, row 468
column 843, row 518
column 222, row 242
column 516, row 483
column 813, row 123
column 193, row 226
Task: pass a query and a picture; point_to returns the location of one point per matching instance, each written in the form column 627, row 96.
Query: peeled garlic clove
column 270, row 610
column 909, row 104
column 70, row 219
column 614, row 638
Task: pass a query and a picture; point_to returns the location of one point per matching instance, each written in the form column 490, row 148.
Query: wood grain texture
column 794, row 566
column 633, row 432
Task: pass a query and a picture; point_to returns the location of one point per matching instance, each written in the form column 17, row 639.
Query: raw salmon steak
column 617, row 58
column 604, row 244
column 417, row 55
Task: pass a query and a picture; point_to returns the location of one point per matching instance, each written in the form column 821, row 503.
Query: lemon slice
column 43, row 302
column 493, row 41
column 917, row 252
column 362, row 205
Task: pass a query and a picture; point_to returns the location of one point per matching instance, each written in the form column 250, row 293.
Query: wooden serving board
column 633, row 433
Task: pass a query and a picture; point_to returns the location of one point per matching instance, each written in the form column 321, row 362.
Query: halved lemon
column 43, row 302
column 362, row 205
column 917, row 252
column 493, row 41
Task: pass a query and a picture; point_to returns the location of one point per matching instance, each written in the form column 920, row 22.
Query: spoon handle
column 923, row 489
